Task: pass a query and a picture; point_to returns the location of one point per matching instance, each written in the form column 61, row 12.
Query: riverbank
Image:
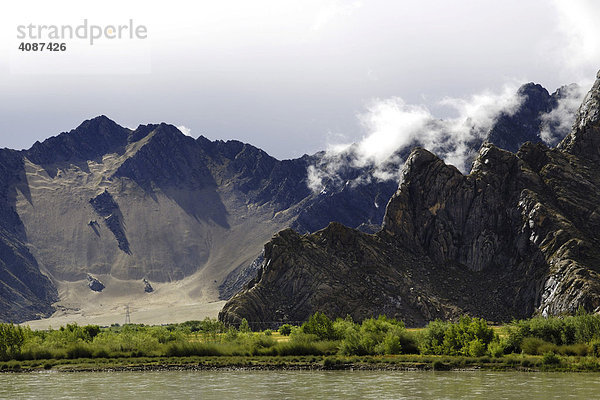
column 512, row 362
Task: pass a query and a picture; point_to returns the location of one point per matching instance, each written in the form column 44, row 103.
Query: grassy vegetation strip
column 570, row 343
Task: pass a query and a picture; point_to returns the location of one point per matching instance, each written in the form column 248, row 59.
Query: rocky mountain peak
column 511, row 130
column 162, row 132
column 90, row 140
column 535, row 92
column 421, row 168
column 584, row 139
column 99, row 122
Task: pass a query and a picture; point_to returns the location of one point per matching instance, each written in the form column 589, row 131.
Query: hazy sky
column 291, row 77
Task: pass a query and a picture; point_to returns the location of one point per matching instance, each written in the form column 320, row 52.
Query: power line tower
column 127, row 316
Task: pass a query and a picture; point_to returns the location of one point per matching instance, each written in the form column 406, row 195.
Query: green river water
column 299, row 385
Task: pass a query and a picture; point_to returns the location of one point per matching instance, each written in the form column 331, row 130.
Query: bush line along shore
column 569, row 343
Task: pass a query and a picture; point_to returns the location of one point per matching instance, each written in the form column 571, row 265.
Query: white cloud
column 185, row 130
column 558, row 123
column 392, row 125
column 578, row 23
column 315, row 178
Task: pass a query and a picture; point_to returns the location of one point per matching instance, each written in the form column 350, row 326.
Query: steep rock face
column 25, row 293
column 584, row 140
column 237, row 279
column 347, row 200
column 522, row 232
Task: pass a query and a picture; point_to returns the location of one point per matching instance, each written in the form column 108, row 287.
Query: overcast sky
column 291, row 77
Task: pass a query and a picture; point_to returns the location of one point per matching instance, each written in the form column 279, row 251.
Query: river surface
column 239, row 385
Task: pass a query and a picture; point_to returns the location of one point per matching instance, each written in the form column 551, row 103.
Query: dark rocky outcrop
column 517, row 236
column 147, row 286
column 106, row 206
column 94, row 284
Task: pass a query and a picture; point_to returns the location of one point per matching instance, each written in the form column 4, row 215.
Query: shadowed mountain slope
column 148, row 205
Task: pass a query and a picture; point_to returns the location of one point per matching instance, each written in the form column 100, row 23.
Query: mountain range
column 104, row 215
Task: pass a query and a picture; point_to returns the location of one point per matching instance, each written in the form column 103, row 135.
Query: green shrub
column 342, row 326
column 391, row 343
column 194, row 349
column 91, row 331
column 374, row 336
column 100, row 353
column 285, row 329
column 550, row 358
column 468, row 336
column 560, row 331
column 595, row 348
column 532, row 345
column 34, row 350
column 476, row 348
column 231, row 335
column 497, row 348
column 255, row 341
column 354, row 344
column 433, row 337
column 589, row 364
column 579, row 349
column 298, row 349
column 79, row 350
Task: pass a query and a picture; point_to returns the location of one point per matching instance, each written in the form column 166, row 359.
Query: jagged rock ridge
column 519, row 235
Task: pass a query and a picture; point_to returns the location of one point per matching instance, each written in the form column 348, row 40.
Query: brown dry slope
column 119, row 206
column 116, row 218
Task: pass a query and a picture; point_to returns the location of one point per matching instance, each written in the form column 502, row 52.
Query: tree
column 244, row 326
column 320, row 325
column 11, row 340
